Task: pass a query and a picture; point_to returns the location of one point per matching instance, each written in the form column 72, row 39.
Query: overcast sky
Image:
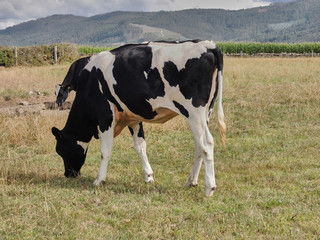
column 16, row 11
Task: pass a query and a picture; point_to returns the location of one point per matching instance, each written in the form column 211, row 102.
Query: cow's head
column 62, row 93
column 72, row 152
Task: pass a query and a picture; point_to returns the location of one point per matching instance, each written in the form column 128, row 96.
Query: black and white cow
column 151, row 82
column 70, row 82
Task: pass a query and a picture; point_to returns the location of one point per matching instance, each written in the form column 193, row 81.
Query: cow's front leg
column 141, row 148
column 106, row 147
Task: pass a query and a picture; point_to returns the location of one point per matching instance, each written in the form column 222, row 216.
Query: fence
column 53, row 54
column 38, row 55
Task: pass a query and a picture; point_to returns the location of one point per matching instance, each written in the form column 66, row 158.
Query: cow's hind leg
column 193, row 179
column 203, row 151
column 141, row 148
column 106, row 147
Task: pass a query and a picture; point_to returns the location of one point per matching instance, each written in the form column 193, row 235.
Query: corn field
column 90, row 49
column 255, row 48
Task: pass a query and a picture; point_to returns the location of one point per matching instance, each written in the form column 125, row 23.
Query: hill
column 282, row 22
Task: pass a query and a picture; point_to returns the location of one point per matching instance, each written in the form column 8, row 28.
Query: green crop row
column 238, row 47
column 90, row 49
column 254, row 48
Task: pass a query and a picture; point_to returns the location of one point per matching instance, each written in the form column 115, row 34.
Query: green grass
column 268, row 177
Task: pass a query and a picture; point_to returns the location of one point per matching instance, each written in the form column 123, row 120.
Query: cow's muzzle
column 72, row 173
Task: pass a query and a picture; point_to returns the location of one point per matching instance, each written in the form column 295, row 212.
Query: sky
column 13, row 12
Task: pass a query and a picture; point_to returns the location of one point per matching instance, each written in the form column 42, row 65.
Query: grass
column 16, row 83
column 268, row 177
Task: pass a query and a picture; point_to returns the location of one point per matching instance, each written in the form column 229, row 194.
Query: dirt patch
column 53, row 106
column 26, row 107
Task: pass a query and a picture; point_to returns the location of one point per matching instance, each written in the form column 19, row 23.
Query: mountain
column 296, row 21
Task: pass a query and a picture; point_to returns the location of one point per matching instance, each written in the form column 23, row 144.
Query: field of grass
column 268, row 177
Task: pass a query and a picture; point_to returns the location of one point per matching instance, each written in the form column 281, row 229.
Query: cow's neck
column 79, row 125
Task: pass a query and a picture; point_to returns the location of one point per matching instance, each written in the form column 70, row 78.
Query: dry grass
column 268, row 178
column 16, row 83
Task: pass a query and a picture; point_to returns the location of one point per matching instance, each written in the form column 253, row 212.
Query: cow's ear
column 56, row 132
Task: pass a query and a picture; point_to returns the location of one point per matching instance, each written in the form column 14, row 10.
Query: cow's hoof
column 191, row 183
column 209, row 191
column 98, row 182
column 149, row 178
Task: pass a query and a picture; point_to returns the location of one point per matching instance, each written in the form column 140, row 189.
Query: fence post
column 16, row 55
column 55, row 54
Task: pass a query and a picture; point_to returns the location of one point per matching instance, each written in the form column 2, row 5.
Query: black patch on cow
column 141, row 132
column 70, row 82
column 182, row 109
column 136, row 81
column 71, row 79
column 99, row 101
column 120, row 49
column 106, row 90
column 194, row 80
column 78, row 125
column 131, row 130
column 171, row 73
column 219, row 59
column 89, row 109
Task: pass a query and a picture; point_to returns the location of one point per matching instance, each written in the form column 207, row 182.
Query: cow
column 149, row 82
column 71, row 80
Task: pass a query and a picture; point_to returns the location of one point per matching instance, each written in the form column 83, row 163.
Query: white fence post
column 55, row 54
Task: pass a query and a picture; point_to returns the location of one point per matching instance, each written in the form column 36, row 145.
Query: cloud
column 16, row 11
column 7, row 23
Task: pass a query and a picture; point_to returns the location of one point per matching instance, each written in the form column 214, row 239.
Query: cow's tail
column 219, row 83
column 221, row 123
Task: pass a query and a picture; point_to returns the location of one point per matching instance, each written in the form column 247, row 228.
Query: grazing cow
column 151, row 82
column 71, row 80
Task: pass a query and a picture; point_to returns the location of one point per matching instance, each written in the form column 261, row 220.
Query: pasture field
column 268, row 177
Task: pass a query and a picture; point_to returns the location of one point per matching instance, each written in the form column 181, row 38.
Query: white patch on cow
column 179, row 54
column 145, row 74
column 108, row 76
column 97, row 60
column 100, row 87
column 57, row 89
column 84, row 145
column 106, row 147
